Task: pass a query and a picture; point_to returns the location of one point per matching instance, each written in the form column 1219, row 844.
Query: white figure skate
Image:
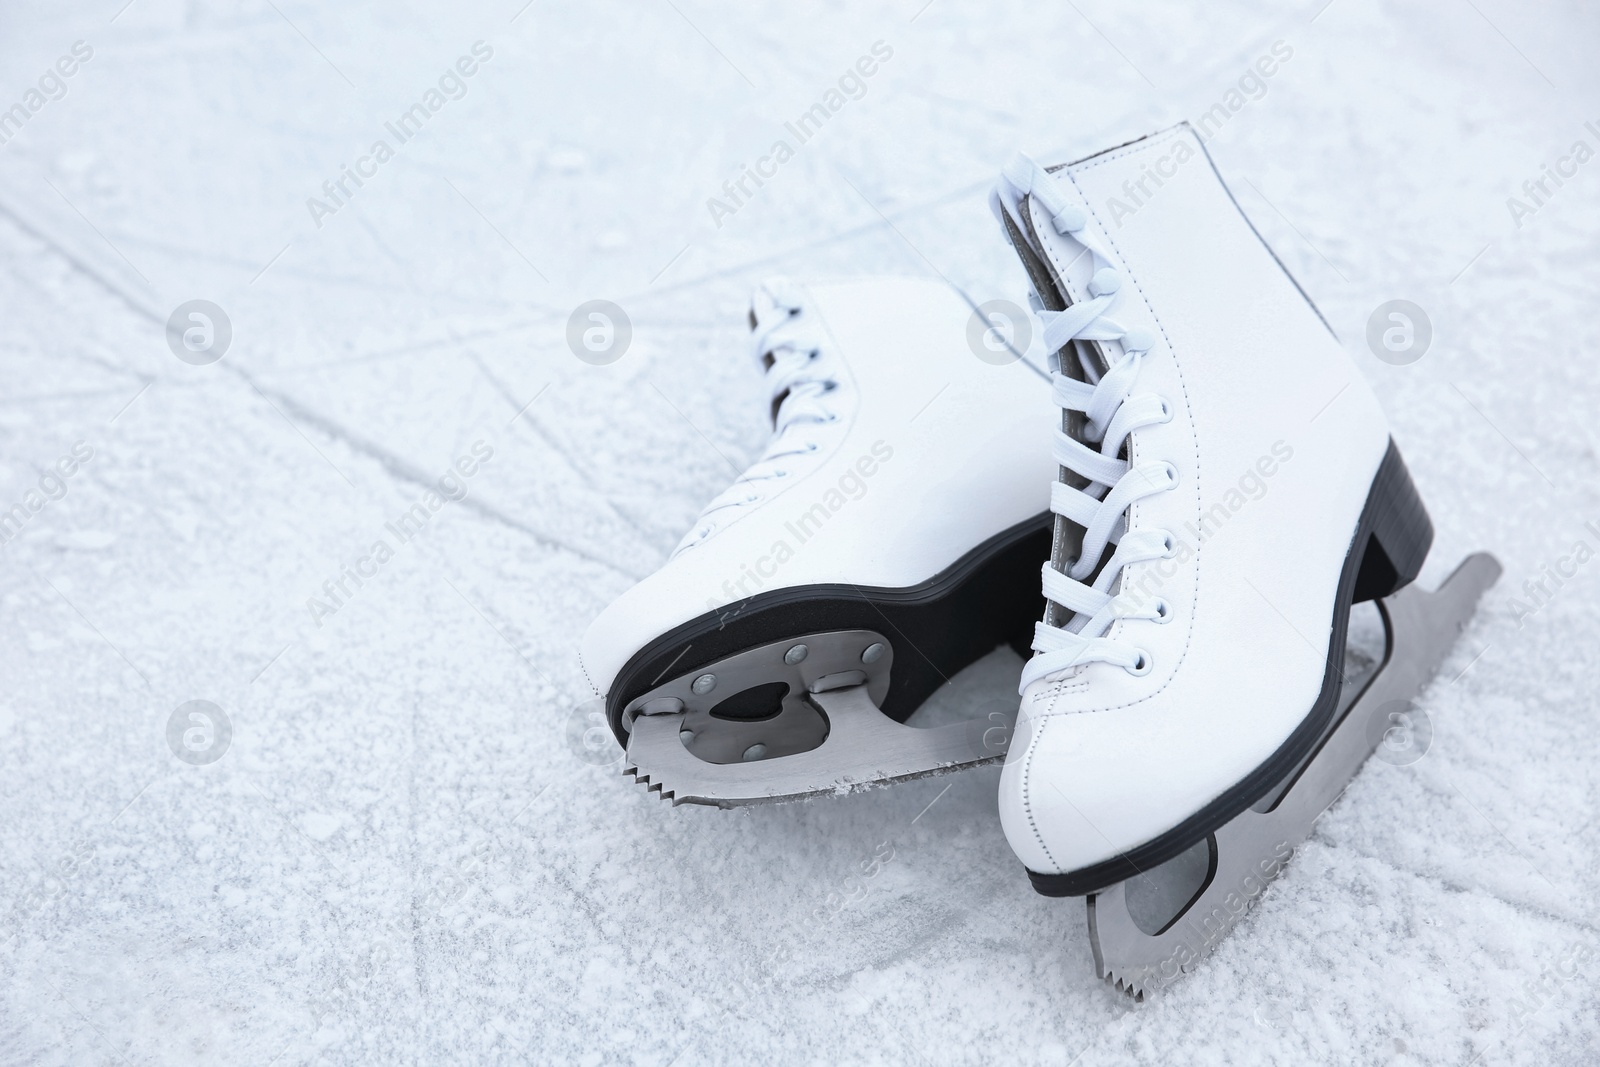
column 1227, row 490
column 889, row 535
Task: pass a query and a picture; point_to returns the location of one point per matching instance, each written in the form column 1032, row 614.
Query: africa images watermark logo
column 199, row 732
column 451, row 486
column 199, row 332
column 52, row 86
column 1250, row 88
column 1554, row 574
column 452, row 86
column 1252, row 485
column 1399, row 332
column 851, row 485
column 998, row 332
column 1538, row 190
column 52, row 487
column 599, row 332
column 852, row 85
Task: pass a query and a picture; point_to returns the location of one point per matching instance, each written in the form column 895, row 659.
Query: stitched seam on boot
column 585, row 669
column 1059, row 689
column 1027, row 793
column 1177, row 364
column 1153, row 141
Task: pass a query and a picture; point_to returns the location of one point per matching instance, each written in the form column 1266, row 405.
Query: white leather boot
column 889, row 535
column 1227, row 488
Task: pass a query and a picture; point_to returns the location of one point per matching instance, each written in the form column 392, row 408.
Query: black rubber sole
column 1386, row 553
column 989, row 597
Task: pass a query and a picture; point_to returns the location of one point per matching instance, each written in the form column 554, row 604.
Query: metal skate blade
column 863, row 748
column 1150, row 929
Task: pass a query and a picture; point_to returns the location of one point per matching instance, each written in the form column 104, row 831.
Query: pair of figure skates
column 1208, row 485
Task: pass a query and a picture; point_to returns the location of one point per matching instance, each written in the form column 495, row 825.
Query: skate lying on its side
column 832, row 738
column 1150, row 929
column 887, row 537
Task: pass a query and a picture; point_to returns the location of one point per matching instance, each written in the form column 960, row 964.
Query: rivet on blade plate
column 704, row 684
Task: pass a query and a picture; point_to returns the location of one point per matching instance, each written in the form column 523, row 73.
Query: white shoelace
column 801, row 383
column 1112, row 413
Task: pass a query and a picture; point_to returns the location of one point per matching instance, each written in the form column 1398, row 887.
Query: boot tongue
column 774, row 300
column 1047, row 291
column 774, row 303
column 1029, row 251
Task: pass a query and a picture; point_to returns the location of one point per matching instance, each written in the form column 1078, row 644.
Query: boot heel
column 1400, row 532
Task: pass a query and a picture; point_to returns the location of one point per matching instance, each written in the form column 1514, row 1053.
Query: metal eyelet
column 1143, row 666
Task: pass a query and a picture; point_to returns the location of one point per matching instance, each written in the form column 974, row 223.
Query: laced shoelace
column 799, row 383
column 1112, row 411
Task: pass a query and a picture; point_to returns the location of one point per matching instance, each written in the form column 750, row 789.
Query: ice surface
column 400, row 858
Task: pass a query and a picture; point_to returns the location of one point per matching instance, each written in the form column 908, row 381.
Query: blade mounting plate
column 828, row 736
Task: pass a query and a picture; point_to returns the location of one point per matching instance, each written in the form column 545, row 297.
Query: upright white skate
column 889, row 535
column 1227, row 490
